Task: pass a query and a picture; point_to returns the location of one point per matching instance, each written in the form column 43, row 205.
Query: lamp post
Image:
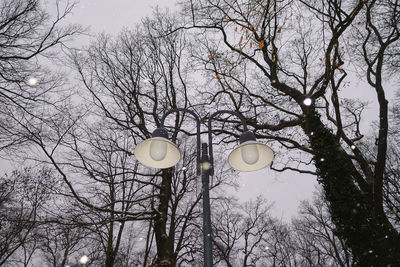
column 159, row 152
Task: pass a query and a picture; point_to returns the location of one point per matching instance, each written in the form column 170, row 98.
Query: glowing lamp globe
column 250, row 155
column 158, row 151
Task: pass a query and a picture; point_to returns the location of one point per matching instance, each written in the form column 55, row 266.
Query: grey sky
column 111, row 16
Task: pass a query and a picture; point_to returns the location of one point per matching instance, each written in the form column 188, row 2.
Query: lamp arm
column 197, row 119
column 210, row 147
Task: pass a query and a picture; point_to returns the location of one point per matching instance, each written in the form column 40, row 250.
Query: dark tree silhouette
column 28, row 38
column 247, row 235
column 23, row 197
column 126, row 84
column 315, row 239
column 284, row 65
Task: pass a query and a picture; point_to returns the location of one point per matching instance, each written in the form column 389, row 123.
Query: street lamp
column 160, row 152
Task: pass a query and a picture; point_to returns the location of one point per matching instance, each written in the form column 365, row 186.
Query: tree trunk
column 369, row 234
column 164, row 253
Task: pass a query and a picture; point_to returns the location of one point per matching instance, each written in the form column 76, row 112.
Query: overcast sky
column 110, row 16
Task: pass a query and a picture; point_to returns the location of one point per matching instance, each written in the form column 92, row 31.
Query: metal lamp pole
column 205, row 166
column 159, row 152
column 205, row 180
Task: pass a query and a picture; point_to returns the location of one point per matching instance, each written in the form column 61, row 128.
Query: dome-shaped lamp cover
column 265, row 157
column 147, row 154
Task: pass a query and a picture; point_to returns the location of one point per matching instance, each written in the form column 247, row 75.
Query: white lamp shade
column 265, row 157
column 172, row 156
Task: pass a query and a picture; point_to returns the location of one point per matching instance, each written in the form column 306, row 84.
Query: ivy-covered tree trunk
column 359, row 220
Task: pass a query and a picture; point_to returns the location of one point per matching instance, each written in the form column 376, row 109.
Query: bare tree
column 247, row 235
column 126, row 84
column 241, row 233
column 58, row 242
column 284, row 66
column 28, row 38
column 226, row 231
column 391, row 193
column 23, row 197
column 316, row 241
